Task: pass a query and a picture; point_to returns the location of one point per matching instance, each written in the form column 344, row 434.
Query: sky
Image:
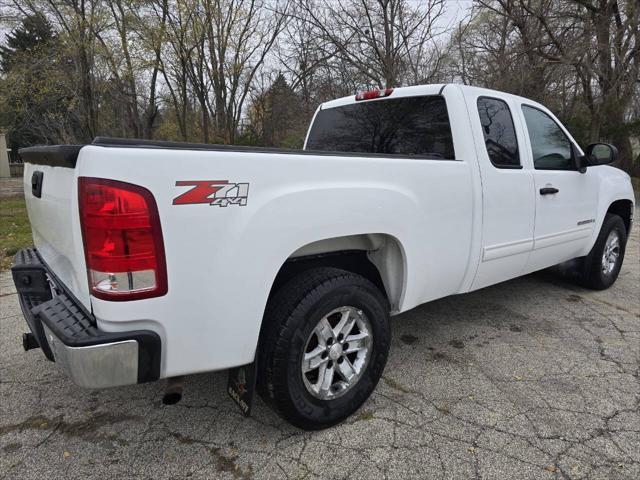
column 456, row 10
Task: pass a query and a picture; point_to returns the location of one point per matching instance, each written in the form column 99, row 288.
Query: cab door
column 508, row 205
column 566, row 200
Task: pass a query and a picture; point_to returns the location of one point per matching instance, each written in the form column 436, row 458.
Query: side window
column 499, row 132
column 551, row 148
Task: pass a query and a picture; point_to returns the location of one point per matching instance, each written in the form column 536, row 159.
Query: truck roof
column 430, row 89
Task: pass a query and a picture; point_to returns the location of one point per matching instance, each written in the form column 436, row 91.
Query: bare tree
column 239, row 34
column 598, row 40
column 152, row 29
column 389, row 42
column 174, row 64
column 213, row 53
column 131, row 47
column 303, row 61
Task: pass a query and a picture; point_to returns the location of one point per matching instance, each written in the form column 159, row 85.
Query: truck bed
column 295, row 198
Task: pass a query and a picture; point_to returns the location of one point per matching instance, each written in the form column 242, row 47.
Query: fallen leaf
column 518, row 378
column 66, row 454
column 551, row 468
column 472, row 449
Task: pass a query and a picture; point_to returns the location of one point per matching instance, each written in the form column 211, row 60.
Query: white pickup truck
column 157, row 260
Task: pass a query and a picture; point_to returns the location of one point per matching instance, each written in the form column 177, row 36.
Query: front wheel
column 324, row 346
column 601, row 267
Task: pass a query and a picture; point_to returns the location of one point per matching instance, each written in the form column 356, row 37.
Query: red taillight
column 122, row 240
column 375, row 93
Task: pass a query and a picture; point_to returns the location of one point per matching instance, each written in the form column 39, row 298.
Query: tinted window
column 499, row 132
column 406, row 126
column 550, row 147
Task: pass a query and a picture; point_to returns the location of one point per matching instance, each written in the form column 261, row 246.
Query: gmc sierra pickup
column 157, row 259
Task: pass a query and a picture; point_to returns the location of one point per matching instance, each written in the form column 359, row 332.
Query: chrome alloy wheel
column 611, row 252
column 337, row 353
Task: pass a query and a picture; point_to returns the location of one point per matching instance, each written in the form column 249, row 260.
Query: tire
column 593, row 273
column 289, row 333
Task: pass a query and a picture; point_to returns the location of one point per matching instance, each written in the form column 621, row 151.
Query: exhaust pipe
column 173, row 390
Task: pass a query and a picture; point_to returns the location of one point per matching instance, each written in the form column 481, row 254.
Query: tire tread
column 280, row 316
column 590, row 275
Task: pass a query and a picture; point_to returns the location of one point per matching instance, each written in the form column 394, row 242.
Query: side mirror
column 601, row 154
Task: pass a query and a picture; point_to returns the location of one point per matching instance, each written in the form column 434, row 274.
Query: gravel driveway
column 532, row 378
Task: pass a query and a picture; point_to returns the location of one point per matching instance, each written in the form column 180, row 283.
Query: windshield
column 402, row 126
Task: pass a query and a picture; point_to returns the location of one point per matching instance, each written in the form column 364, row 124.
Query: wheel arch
column 623, row 208
column 615, row 195
column 378, row 257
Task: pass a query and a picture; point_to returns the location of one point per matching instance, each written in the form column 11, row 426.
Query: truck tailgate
column 50, row 189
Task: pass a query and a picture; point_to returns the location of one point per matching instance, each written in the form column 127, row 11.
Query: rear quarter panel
column 222, row 261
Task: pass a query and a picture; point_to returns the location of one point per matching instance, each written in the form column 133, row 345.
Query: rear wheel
column 600, row 269
column 324, row 346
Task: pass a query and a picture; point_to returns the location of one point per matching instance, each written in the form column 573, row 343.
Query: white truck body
column 431, row 227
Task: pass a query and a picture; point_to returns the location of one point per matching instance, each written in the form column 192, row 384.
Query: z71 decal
column 213, row 192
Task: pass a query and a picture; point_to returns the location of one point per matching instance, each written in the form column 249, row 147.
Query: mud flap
column 241, row 386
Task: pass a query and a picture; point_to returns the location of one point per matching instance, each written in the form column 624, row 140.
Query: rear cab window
column 404, row 126
column 499, row 132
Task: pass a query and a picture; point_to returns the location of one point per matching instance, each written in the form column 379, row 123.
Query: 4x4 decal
column 213, row 192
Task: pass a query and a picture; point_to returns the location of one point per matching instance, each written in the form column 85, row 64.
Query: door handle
column 548, row 190
column 36, row 183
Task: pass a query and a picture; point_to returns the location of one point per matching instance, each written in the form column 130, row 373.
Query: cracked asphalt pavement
column 533, row 378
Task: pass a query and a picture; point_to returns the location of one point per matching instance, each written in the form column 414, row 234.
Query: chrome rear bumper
column 96, row 366
column 68, row 334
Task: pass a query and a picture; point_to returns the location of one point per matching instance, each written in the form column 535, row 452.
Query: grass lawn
column 15, row 232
